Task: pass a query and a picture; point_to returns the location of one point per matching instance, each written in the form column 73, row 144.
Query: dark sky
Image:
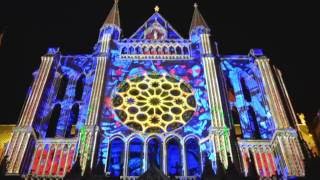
column 286, row 31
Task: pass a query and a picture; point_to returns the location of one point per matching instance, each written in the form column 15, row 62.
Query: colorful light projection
column 245, row 82
column 135, row 164
column 52, row 159
column 71, row 85
column 154, row 103
column 189, row 71
column 116, row 157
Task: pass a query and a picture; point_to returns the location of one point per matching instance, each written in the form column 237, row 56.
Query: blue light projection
column 135, row 157
column 190, row 71
column 193, row 157
column 244, row 76
column 116, row 157
column 174, row 167
column 72, row 68
column 155, row 152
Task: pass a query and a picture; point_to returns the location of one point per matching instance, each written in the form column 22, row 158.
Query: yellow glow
column 156, row 9
column 154, row 103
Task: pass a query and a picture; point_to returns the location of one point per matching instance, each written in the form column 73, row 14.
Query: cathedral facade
column 155, row 98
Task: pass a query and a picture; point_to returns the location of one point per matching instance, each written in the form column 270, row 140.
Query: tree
column 75, row 172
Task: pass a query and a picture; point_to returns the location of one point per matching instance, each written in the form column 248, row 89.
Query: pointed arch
column 138, row 50
column 185, row 51
column 193, row 157
column 135, row 158
column 152, row 50
column 53, row 122
column 62, row 87
column 124, row 50
column 79, row 88
column 145, row 50
column 116, row 157
column 178, row 50
column 131, row 50
column 165, row 50
column 174, row 157
column 172, row 50
column 158, row 50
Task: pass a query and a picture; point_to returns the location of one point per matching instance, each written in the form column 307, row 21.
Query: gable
column 156, row 28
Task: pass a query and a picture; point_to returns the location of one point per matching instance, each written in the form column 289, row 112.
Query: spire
column 113, row 16
column 197, row 19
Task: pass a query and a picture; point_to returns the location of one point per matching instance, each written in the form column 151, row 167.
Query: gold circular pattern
column 154, row 103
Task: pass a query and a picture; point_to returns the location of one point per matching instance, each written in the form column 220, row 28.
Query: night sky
column 286, row 32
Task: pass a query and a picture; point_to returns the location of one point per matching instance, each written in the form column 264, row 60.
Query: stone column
column 23, row 134
column 273, row 97
column 90, row 133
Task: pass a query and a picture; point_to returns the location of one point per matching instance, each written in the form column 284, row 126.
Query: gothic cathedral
column 156, row 99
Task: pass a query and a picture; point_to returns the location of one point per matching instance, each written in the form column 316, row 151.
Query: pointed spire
column 197, row 19
column 113, row 17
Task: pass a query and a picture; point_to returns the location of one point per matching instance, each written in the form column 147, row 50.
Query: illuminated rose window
column 154, row 103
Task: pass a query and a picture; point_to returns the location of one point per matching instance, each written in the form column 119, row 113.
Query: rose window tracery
column 154, row 103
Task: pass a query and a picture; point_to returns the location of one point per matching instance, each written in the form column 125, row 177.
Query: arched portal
column 116, row 157
column 193, row 158
column 155, row 152
column 135, row 162
column 174, row 160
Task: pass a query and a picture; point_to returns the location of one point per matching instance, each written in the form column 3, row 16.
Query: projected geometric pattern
column 154, row 103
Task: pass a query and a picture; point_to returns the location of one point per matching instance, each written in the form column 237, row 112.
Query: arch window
column 178, row 50
column 152, row 51
column 62, row 88
column 165, row 50
column 172, row 50
column 53, row 122
column 158, row 50
column 138, row 50
column 193, row 158
column 155, row 152
column 124, row 50
column 174, row 159
column 131, row 50
column 79, row 88
column 116, row 157
column 145, row 50
column 185, row 50
column 135, row 162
